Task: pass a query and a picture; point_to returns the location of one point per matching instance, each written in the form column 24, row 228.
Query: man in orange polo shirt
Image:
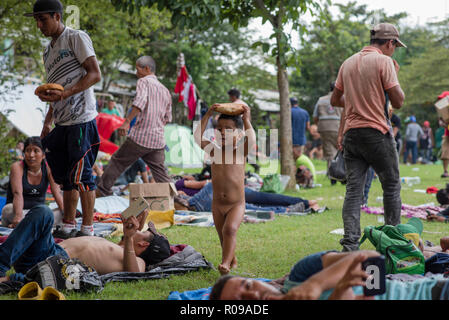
column 367, row 82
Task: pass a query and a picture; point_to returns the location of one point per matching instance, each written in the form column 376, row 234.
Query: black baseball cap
column 158, row 250
column 45, row 6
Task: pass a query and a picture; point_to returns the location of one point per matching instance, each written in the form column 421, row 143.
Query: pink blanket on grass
column 408, row 211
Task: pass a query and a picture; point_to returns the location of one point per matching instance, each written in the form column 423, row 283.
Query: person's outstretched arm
column 55, row 190
column 250, row 141
column 17, row 191
column 131, row 263
column 202, row 127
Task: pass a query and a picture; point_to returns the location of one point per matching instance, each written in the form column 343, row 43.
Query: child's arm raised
column 202, row 127
column 250, row 141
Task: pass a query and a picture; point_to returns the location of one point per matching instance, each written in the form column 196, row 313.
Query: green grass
column 269, row 250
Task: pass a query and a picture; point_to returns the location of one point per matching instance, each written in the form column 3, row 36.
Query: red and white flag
column 186, row 88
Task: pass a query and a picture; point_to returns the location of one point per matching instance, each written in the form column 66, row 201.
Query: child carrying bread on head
column 234, row 136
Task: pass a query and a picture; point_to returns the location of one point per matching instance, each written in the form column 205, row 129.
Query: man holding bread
column 71, row 147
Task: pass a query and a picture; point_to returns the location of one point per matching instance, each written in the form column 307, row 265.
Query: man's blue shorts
column 71, row 152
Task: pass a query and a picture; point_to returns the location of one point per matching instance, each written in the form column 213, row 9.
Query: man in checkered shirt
column 152, row 106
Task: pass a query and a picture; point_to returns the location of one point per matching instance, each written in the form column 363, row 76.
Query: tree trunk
column 287, row 163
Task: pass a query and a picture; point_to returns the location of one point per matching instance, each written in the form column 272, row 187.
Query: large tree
column 201, row 15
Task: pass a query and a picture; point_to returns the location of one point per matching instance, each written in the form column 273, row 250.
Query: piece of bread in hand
column 48, row 86
column 231, row 109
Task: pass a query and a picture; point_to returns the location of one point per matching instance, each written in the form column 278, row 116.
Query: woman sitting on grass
column 28, row 184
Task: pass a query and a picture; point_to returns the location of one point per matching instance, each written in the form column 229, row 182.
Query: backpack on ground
column 401, row 255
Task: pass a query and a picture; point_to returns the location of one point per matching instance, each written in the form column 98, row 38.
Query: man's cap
column 426, row 124
column 414, row 225
column 412, row 118
column 293, row 101
column 386, row 31
column 45, row 6
column 158, row 250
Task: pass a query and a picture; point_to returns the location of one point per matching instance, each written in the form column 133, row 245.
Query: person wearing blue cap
column 412, row 134
column 300, row 123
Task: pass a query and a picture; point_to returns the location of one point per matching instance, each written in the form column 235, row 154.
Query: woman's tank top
column 32, row 194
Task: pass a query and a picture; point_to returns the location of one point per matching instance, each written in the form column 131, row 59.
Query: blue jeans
column 202, row 201
column 368, row 182
column 411, row 146
column 261, row 201
column 30, row 243
column 264, row 199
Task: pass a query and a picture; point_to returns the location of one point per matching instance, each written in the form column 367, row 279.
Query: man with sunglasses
column 366, row 84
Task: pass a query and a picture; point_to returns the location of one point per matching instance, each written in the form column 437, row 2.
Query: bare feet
column 234, row 263
column 223, row 269
column 444, row 243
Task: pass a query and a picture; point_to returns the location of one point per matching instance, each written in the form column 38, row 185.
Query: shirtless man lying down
column 32, row 242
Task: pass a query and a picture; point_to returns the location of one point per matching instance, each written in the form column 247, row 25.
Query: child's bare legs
column 227, row 226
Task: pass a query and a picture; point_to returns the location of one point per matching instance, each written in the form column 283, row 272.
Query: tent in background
column 28, row 111
column 183, row 151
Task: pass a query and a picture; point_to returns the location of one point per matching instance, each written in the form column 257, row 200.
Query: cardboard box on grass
column 160, row 196
column 442, row 106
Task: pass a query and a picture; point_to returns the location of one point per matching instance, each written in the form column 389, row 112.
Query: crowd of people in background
column 416, row 142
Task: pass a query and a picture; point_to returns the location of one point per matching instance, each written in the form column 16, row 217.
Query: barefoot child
column 228, row 154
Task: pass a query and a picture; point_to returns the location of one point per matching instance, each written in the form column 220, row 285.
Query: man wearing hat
column 367, row 82
column 300, row 122
column 72, row 146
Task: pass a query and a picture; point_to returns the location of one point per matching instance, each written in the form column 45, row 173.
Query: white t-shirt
column 63, row 64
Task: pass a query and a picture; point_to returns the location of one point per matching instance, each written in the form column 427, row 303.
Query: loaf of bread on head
column 231, row 109
column 48, row 86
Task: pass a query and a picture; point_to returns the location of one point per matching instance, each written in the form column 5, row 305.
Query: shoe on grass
column 445, row 175
column 60, row 233
column 82, row 234
column 30, row 291
column 51, row 293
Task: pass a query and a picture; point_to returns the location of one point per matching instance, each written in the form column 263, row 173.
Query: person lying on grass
column 234, row 137
column 254, row 200
column 32, row 242
column 325, row 275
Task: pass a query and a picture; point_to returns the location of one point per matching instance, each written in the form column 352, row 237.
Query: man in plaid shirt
column 152, row 106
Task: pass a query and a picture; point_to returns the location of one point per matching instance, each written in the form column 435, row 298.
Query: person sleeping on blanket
column 255, row 200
